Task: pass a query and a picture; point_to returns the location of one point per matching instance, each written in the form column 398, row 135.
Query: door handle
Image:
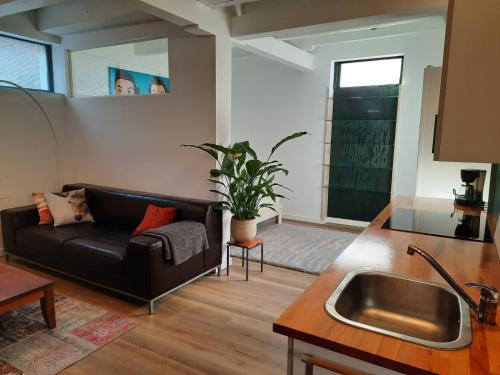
column 311, row 361
column 434, row 134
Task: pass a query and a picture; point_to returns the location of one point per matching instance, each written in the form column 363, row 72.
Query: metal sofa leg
column 7, row 257
column 152, row 301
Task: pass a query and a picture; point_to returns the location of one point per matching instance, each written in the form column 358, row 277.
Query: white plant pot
column 243, row 230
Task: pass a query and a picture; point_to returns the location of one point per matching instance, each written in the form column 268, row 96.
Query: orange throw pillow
column 43, row 208
column 156, row 217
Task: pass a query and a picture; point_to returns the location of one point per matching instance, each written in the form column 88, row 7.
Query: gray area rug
column 298, row 247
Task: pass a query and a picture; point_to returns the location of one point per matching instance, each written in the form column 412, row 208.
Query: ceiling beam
column 278, row 50
column 120, row 35
column 371, row 31
column 24, row 25
column 186, row 13
column 10, row 7
column 266, row 21
column 224, row 3
column 82, row 15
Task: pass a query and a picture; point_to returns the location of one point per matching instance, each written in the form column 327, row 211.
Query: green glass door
column 362, row 149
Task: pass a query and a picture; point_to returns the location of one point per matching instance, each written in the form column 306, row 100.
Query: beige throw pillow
column 69, row 207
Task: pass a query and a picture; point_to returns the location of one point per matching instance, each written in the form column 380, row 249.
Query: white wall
column 28, row 161
column 271, row 100
column 437, row 178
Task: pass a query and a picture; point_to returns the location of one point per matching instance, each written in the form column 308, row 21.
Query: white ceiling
column 56, row 20
column 307, row 41
column 311, row 41
column 59, row 18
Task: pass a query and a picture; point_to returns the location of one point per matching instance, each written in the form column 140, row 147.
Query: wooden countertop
column 385, row 250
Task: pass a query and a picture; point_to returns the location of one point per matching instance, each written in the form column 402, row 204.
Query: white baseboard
column 304, row 218
column 353, row 223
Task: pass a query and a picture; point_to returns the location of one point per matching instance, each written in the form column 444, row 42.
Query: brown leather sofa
column 105, row 252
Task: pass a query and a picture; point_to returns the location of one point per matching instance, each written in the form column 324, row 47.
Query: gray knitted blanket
column 181, row 240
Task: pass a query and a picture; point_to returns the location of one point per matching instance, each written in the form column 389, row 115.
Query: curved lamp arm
column 51, row 127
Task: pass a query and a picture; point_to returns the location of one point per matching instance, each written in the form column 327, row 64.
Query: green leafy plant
column 244, row 180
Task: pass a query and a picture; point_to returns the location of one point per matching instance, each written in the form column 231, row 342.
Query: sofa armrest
column 142, row 255
column 15, row 218
column 213, row 226
column 150, row 275
column 141, row 248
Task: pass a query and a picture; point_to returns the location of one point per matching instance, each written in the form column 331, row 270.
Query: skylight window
column 386, row 71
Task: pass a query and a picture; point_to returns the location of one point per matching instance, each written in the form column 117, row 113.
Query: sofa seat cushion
column 45, row 240
column 102, row 252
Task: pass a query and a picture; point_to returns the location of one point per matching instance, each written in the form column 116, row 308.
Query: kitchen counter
column 385, row 250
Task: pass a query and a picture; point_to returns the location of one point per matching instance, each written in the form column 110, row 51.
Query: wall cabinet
column 434, row 178
column 468, row 126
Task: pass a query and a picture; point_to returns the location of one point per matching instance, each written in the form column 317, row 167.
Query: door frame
column 334, row 83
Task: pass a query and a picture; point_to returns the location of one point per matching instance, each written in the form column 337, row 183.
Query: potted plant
column 244, row 181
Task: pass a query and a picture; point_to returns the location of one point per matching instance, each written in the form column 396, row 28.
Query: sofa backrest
column 124, row 209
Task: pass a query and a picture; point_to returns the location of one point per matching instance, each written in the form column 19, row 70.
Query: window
column 128, row 69
column 26, row 63
column 376, row 72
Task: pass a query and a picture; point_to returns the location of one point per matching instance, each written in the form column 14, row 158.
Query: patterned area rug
column 299, row 247
column 27, row 346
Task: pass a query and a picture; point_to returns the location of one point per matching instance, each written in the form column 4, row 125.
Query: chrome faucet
column 486, row 311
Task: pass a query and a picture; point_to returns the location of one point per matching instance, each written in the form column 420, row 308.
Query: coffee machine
column 473, row 184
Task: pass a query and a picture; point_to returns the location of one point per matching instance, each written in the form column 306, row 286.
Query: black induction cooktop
column 442, row 224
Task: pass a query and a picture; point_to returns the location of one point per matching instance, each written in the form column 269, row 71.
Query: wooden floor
column 216, row 325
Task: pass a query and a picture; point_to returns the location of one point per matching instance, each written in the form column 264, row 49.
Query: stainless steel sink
column 420, row 312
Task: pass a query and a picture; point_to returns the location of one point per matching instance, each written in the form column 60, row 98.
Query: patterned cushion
column 69, row 207
column 43, row 208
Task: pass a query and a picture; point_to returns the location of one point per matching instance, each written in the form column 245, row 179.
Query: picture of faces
column 157, row 86
column 125, row 83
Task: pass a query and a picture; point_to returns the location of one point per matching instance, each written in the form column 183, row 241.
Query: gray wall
column 134, row 142
column 28, row 160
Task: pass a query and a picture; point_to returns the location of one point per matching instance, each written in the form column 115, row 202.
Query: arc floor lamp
column 49, row 123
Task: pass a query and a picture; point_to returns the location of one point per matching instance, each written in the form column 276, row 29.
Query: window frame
column 72, row 75
column 48, row 55
column 337, row 70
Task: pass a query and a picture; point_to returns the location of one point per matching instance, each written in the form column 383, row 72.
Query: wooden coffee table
column 18, row 287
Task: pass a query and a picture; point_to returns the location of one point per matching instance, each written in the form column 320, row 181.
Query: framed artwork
column 123, row 82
